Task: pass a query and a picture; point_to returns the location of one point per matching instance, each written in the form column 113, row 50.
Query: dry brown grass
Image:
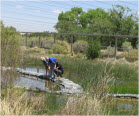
column 91, row 103
column 14, row 104
column 86, row 105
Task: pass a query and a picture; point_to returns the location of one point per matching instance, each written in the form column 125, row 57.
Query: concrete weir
column 66, row 86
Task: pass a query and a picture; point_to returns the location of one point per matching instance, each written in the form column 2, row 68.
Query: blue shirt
column 52, row 60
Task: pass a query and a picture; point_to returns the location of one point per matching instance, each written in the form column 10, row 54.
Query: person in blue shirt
column 52, row 62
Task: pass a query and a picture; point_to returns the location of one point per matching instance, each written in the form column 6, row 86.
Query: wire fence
column 106, row 51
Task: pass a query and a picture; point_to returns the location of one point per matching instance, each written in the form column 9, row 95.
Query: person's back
column 52, row 60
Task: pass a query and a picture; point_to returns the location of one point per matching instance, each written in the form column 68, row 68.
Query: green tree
column 10, row 55
column 93, row 50
column 118, row 20
column 122, row 21
column 69, row 21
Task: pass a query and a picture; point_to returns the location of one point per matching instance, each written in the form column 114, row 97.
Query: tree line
column 119, row 21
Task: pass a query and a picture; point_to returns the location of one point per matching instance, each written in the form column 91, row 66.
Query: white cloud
column 38, row 11
column 19, row 6
column 56, row 11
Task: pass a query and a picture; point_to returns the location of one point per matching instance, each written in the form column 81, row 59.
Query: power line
column 46, row 10
column 34, row 8
column 23, row 23
column 34, row 27
column 39, row 5
column 48, row 4
column 89, row 4
column 103, row 2
column 68, row 4
column 28, row 20
column 128, row 3
column 28, row 14
column 27, row 11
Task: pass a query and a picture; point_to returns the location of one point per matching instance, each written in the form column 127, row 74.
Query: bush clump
column 126, row 45
column 61, row 47
column 48, row 43
column 110, row 50
column 79, row 55
column 132, row 54
column 10, row 47
column 93, row 50
column 80, row 46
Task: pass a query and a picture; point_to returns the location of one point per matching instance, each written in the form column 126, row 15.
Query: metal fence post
column 115, row 47
column 26, row 38
column 71, row 43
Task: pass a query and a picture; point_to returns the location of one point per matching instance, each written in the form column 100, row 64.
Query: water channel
column 32, row 82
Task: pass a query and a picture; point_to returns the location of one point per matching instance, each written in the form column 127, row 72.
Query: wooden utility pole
column 92, row 37
column 26, row 38
column 54, row 37
column 72, row 36
column 39, row 40
column 115, row 47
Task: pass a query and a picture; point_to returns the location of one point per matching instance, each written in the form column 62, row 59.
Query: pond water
column 34, row 82
column 129, row 104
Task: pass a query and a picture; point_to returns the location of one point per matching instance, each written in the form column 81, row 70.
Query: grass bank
column 89, row 72
column 98, row 78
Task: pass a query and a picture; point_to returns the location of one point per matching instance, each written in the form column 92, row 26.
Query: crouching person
column 58, row 70
column 52, row 62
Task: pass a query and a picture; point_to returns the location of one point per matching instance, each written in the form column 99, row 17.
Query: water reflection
column 51, row 85
column 127, row 104
column 35, row 82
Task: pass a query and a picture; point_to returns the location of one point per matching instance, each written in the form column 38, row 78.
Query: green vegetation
column 61, row 47
column 93, row 50
column 88, row 72
column 98, row 77
column 45, row 42
column 113, row 21
column 80, row 46
column 131, row 55
column 14, row 102
column 126, row 45
column 110, row 51
column 10, row 46
column 79, row 55
column 95, row 76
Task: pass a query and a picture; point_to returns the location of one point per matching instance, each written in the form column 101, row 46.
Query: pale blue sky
column 42, row 15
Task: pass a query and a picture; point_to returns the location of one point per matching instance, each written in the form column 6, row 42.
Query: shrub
column 80, row 46
column 79, row 55
column 93, row 50
column 50, row 51
column 61, row 47
column 133, row 54
column 33, row 50
column 110, row 50
column 48, row 43
column 126, row 45
column 10, row 47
